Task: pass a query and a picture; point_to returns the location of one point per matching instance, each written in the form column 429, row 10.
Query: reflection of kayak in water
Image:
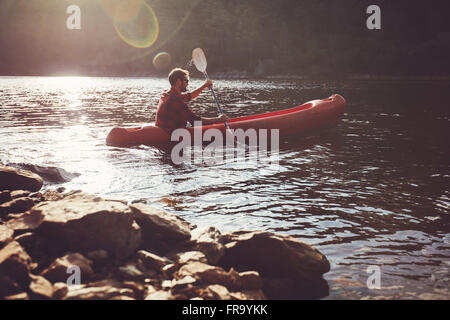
column 309, row 116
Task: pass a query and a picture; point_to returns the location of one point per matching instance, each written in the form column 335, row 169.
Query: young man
column 173, row 111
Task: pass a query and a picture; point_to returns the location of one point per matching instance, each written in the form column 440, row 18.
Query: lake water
column 372, row 191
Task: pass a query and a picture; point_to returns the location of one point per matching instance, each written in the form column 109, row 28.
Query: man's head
column 179, row 78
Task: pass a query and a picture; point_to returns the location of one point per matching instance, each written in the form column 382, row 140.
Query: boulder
column 29, row 242
column 210, row 274
column 40, row 288
column 17, row 179
column 98, row 255
column 5, row 196
column 52, row 195
column 17, row 205
column 217, row 292
column 57, row 271
column 160, row 295
column 20, row 194
column 139, row 289
column 27, row 221
column 19, row 296
column 84, row 223
column 48, row 173
column 250, row 280
column 248, row 295
column 209, row 241
column 10, row 286
column 273, row 254
column 36, row 197
column 15, row 267
column 132, row 272
column 60, row 290
column 160, row 230
column 6, row 235
column 169, row 269
column 101, row 290
column 178, row 284
column 189, row 256
column 296, row 266
column 152, row 261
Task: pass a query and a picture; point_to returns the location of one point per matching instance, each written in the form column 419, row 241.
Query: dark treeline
column 260, row 37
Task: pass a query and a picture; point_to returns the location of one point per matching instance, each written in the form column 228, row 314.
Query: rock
column 210, row 274
column 160, row 230
column 6, row 235
column 57, row 271
column 19, row 194
column 16, row 206
column 27, row 221
column 169, row 269
column 98, row 255
column 189, row 256
column 26, row 240
column 152, row 261
column 144, row 201
column 131, row 272
column 5, row 196
column 36, row 197
column 248, row 295
column 40, row 288
column 9, row 286
column 250, row 280
column 122, row 298
column 274, row 254
column 76, row 193
column 149, row 289
column 48, row 173
column 178, row 284
column 52, row 195
column 19, row 296
column 219, row 292
column 138, row 288
column 160, row 295
column 15, row 266
column 86, row 223
column 17, row 179
column 283, row 259
column 102, row 290
column 209, row 241
column 60, row 290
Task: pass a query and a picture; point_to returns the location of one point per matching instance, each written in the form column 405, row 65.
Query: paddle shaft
column 217, row 101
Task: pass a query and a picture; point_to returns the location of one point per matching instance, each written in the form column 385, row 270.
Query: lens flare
column 137, row 24
column 162, row 61
column 122, row 10
column 140, row 32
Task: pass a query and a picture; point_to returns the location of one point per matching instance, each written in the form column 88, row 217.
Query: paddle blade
column 199, row 59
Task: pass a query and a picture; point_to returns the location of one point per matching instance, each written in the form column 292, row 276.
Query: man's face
column 184, row 84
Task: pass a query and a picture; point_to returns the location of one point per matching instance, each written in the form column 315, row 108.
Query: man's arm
column 195, row 93
column 221, row 118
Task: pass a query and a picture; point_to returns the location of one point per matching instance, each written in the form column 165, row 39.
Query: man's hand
column 221, row 118
column 208, row 83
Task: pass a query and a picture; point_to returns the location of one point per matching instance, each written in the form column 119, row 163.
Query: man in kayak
column 173, row 111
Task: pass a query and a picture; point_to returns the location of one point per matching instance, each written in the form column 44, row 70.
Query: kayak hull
column 312, row 115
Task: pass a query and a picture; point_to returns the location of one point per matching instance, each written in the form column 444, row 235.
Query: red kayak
column 309, row 116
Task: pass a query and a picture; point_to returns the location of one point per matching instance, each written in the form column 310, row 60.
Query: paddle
column 200, row 63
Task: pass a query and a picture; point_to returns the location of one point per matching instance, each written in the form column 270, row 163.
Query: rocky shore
column 73, row 245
